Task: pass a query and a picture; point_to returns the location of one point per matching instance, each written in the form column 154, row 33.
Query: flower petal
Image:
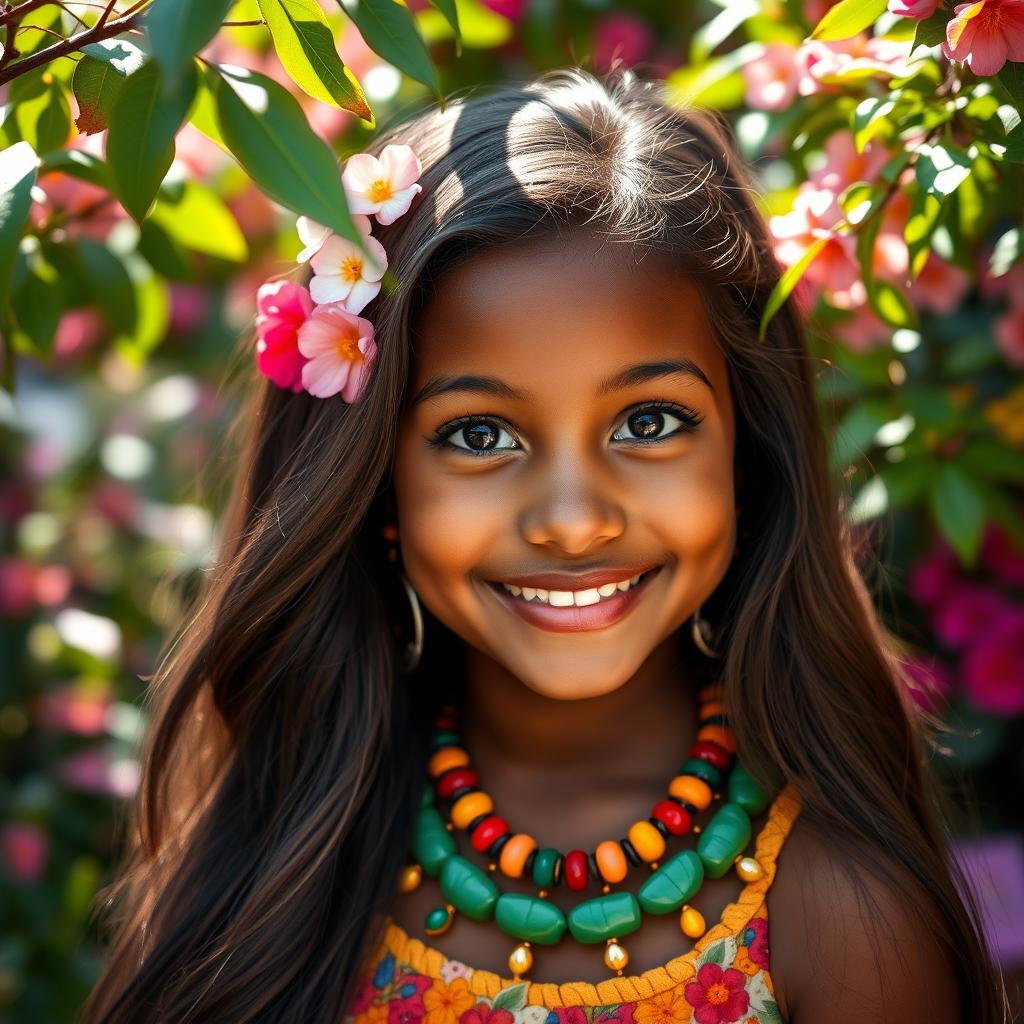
column 401, row 166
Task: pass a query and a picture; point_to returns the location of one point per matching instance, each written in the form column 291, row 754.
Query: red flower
column 755, row 938
column 363, row 996
column 406, row 1011
column 571, row 1015
column 483, row 1014
column 717, row 996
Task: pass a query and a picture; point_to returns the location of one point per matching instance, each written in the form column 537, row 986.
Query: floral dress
column 725, row 978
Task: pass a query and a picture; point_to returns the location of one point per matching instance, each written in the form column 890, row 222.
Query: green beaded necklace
column 470, row 890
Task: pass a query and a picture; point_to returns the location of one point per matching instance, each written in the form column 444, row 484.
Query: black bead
column 660, row 826
column 689, row 808
column 462, row 792
column 498, row 844
column 630, row 851
column 556, row 871
column 528, row 863
column 595, row 871
column 715, row 720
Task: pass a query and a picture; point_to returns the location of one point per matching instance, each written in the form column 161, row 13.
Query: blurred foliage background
column 146, row 194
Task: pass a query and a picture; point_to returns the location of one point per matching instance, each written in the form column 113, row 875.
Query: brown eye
column 647, row 423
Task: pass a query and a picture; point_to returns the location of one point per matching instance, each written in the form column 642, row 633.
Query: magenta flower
column 717, row 996
column 484, row 1014
column 384, row 187
column 916, row 9
column 986, row 34
column 755, row 938
column 340, row 348
column 933, row 576
column 283, row 308
column 26, row 849
column 1000, row 557
column 621, row 36
column 965, row 613
column 993, row 670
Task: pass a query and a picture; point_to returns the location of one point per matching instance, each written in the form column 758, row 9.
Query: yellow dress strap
column 782, row 813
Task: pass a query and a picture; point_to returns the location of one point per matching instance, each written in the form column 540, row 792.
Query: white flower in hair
column 312, row 236
column 384, row 187
column 342, row 274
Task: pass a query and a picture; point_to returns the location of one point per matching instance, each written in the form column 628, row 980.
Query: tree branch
column 17, row 13
column 72, row 44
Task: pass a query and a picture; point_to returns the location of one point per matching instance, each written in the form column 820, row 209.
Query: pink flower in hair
column 340, row 348
column 283, row 308
column 384, row 187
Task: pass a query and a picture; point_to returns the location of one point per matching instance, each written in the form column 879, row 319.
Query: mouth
column 567, row 611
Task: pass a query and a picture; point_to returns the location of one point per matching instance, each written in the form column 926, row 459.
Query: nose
column 572, row 509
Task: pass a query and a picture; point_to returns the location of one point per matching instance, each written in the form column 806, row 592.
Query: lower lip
column 573, row 619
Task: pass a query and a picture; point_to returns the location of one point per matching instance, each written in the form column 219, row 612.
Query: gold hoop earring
column 703, row 636
column 414, row 648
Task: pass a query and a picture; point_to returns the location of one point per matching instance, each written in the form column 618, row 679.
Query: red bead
column 575, row 870
column 456, row 778
column 487, row 831
column 446, row 722
column 712, row 753
column 675, row 818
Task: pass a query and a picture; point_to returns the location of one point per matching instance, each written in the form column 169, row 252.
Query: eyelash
column 440, row 438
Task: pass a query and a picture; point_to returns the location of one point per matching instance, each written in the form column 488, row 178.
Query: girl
column 560, row 580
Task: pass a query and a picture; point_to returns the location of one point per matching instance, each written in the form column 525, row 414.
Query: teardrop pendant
column 615, row 956
column 439, row 920
column 520, row 960
column 749, row 869
column 692, row 922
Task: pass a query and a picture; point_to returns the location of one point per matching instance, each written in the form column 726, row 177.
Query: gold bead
column 696, row 829
column 449, row 826
column 691, row 921
column 492, row 866
column 654, row 865
column 412, row 876
column 521, row 959
column 748, row 869
column 615, row 956
column 606, row 887
column 542, row 894
column 718, row 796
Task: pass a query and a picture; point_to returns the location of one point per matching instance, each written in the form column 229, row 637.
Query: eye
column 480, row 434
column 647, row 422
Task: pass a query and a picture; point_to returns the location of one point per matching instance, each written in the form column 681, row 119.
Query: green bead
column 744, row 790
column 529, row 918
column 468, row 888
column 673, row 884
column 427, row 800
column 544, row 867
column 432, row 844
column 723, row 837
column 703, row 770
column 436, row 919
column 605, row 917
column 447, row 738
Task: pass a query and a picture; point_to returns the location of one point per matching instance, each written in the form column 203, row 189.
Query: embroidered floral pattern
column 732, row 985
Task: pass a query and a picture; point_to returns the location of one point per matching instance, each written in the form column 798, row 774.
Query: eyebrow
column 641, row 373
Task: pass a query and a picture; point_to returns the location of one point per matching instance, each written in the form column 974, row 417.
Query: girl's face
column 595, row 436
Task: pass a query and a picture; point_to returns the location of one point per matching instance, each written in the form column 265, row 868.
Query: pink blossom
column 92, row 771
column 77, row 333
column 17, row 586
column 383, row 187
column 1000, row 557
column 844, row 165
column 69, row 710
column 819, row 62
column 993, row 669
column 190, row 304
column 341, row 351
column 342, row 274
column 773, row 79
column 1009, row 334
column 986, row 34
column 940, row 286
column 52, row 584
column 26, row 849
column 284, row 307
column 916, row 9
column 863, row 329
column 934, row 575
column 622, row 36
column 511, row 9
column 966, row 611
column 930, row 682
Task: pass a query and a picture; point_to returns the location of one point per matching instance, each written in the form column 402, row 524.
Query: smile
column 572, row 611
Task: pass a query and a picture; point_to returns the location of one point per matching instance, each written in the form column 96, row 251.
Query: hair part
column 285, row 756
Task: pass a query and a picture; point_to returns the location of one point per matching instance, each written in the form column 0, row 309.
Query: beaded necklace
column 606, row 918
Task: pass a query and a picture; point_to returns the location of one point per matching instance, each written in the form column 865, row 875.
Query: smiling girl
column 536, row 678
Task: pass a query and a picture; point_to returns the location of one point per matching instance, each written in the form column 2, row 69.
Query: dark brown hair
column 285, row 753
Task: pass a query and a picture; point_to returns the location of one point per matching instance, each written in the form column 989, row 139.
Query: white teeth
column 566, row 598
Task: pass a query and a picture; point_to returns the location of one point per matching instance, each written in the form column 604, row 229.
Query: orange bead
column 715, row 691
column 691, row 789
column 445, row 758
column 718, row 734
column 469, row 807
column 646, row 840
column 714, row 707
column 611, row 861
column 514, row 853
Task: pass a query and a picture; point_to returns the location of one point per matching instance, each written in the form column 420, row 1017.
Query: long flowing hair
column 285, row 753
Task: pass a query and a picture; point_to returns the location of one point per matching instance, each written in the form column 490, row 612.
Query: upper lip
column 576, row 581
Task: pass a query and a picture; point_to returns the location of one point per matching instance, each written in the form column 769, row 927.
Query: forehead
column 555, row 315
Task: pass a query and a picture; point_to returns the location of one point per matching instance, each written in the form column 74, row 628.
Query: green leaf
column 1011, row 75
column 991, row 459
column 38, row 112
column 942, row 169
column 110, row 286
column 906, row 481
column 389, row 29
column 511, row 998
column 203, row 114
column 870, row 118
column 480, row 28
column 855, row 432
column 18, row 167
column 787, row 282
column 268, row 134
column 98, row 78
column 891, row 303
column 959, row 510
column 305, row 45
column 713, row 954
column 38, row 303
column 709, row 36
column 847, row 18
column 154, row 312
column 140, row 141
column 197, row 219
column 924, row 215
column 931, row 31
column 178, row 30
column 451, row 14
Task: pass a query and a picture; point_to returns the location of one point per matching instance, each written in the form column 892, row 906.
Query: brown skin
column 575, row 735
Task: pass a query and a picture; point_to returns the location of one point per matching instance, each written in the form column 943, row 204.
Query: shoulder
column 852, row 947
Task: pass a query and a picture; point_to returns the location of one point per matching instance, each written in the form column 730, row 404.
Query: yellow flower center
column 351, row 269
column 347, row 347
column 717, row 994
column 379, row 190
